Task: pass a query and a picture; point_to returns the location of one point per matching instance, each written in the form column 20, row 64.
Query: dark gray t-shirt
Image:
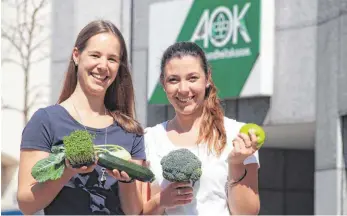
column 84, row 193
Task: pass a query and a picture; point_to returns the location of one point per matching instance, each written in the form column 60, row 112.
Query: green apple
column 258, row 131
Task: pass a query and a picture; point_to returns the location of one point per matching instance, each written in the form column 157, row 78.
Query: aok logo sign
column 221, row 26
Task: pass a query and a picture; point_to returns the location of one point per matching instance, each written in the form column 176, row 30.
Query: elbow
column 133, row 210
column 24, row 205
column 250, row 209
column 254, row 210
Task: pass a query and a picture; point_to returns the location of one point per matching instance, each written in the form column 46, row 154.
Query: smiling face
column 98, row 63
column 185, row 84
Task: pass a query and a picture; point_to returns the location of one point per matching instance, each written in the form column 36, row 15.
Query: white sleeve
column 254, row 158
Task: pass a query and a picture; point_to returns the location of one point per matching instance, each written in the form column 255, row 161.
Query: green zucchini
column 134, row 171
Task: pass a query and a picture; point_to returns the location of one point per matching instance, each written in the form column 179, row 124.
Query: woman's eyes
column 113, row 60
column 172, row 79
column 191, row 79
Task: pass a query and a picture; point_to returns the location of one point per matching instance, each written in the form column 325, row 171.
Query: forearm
column 38, row 196
column 130, row 197
column 152, row 207
column 243, row 197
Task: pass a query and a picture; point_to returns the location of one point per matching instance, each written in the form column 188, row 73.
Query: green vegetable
column 79, row 148
column 50, row 168
column 134, row 171
column 181, row 165
column 114, row 150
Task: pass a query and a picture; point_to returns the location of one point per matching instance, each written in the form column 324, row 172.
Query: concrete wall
column 330, row 175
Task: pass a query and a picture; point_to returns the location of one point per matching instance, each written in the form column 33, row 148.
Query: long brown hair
column 119, row 98
column 212, row 129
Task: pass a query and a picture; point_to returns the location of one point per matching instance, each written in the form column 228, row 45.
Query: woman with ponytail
column 229, row 181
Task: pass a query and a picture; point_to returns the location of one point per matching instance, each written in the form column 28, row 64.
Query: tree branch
column 8, row 60
column 45, row 56
column 36, row 87
column 37, row 96
column 39, row 44
column 7, row 107
column 12, row 42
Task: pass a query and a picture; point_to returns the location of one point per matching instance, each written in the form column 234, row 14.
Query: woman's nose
column 102, row 63
column 183, row 87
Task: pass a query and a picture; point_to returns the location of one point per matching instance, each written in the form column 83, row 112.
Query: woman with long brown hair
column 229, row 181
column 97, row 96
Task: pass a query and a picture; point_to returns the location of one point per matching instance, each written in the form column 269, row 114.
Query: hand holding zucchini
column 134, row 171
column 80, row 150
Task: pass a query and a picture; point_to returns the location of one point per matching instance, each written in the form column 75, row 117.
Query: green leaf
column 58, row 149
column 50, row 168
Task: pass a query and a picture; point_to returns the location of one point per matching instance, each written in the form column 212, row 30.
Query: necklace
column 103, row 170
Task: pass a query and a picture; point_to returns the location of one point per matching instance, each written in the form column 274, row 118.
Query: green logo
column 222, row 26
column 229, row 34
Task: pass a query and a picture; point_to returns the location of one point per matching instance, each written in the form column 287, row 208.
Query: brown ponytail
column 212, row 129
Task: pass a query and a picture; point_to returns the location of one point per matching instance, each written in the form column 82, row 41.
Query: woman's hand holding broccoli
column 175, row 194
column 80, row 170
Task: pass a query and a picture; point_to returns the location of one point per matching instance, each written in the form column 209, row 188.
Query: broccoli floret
column 79, row 148
column 181, row 165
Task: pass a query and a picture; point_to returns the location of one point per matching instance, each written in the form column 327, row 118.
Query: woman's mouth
column 99, row 77
column 184, row 99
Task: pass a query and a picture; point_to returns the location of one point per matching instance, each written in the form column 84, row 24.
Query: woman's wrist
column 127, row 182
column 236, row 172
column 68, row 173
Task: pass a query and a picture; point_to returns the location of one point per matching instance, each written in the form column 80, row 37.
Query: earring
column 74, row 62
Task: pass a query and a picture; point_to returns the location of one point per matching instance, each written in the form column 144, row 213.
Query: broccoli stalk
column 181, row 165
column 79, row 148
